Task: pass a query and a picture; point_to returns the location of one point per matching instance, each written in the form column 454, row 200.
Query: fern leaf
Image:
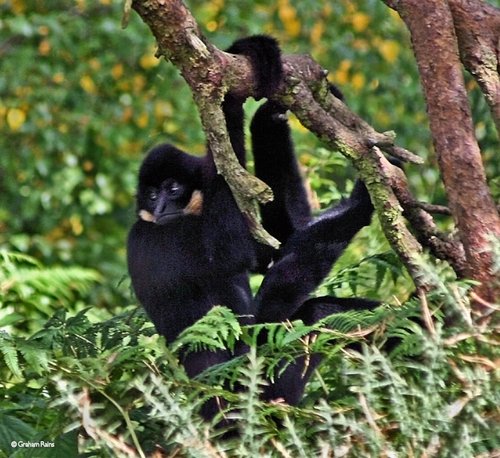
column 9, row 352
column 36, row 358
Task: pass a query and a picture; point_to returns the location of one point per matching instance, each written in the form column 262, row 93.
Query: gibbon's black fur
column 309, row 248
column 191, row 248
column 289, row 384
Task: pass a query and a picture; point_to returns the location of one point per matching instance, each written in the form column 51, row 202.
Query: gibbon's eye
column 174, row 189
column 153, row 195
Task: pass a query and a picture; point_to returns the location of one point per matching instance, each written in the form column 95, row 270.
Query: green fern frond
column 384, row 264
column 13, row 259
column 10, row 356
column 218, row 329
column 37, row 358
column 249, row 408
column 56, row 282
column 25, row 282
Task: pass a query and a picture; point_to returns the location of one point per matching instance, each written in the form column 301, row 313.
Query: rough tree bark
column 477, row 26
column 432, row 28
column 211, row 73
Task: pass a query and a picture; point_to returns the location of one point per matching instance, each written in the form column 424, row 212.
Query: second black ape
column 310, row 246
column 191, row 248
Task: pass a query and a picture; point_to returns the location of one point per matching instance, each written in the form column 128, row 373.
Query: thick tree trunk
column 435, row 45
column 477, row 26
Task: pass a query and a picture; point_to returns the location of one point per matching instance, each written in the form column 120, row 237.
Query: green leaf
column 13, row 429
column 9, row 352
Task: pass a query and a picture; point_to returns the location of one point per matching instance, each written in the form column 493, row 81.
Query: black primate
column 191, row 248
column 310, row 246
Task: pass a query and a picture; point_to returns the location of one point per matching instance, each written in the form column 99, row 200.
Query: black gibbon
column 191, row 248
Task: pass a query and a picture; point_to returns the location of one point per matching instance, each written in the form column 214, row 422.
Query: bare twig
column 431, row 208
column 441, row 245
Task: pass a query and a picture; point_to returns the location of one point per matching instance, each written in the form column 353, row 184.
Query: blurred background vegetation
column 81, row 100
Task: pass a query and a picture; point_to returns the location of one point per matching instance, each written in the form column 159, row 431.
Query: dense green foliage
column 387, row 387
column 81, row 99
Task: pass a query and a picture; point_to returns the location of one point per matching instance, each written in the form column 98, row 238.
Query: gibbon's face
column 169, row 185
column 167, row 201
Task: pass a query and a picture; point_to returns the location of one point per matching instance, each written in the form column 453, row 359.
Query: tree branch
column 441, row 245
column 326, row 116
column 431, row 25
